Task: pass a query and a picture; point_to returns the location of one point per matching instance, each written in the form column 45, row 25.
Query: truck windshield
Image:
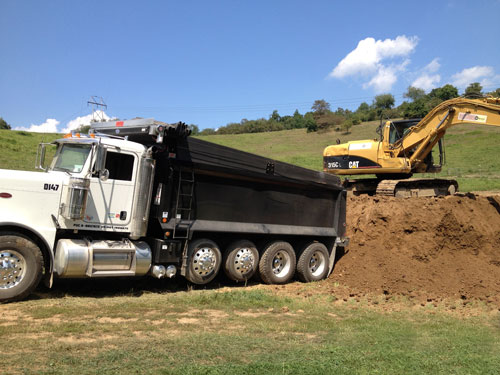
column 70, row 157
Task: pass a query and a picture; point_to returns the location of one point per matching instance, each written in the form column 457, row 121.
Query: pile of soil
column 425, row 248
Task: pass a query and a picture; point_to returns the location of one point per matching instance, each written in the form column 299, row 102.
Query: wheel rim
column 204, row 261
column 244, row 260
column 281, row 264
column 12, row 268
column 317, row 263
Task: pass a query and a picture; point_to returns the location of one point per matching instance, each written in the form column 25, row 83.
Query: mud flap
column 342, row 242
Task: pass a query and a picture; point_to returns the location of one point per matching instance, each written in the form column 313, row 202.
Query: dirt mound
column 426, row 248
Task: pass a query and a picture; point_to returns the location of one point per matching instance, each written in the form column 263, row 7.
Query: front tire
column 21, row 264
column 204, row 261
column 277, row 264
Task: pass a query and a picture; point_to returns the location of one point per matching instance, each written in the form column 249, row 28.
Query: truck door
column 110, row 201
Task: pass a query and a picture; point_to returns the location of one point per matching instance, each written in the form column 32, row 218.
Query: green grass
column 19, row 148
column 240, row 331
column 472, row 153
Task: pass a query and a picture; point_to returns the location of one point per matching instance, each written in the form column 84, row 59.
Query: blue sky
column 214, row 62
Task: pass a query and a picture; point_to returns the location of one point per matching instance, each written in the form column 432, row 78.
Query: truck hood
column 31, row 181
column 30, row 200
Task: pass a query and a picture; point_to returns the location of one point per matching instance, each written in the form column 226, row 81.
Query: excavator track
column 422, row 187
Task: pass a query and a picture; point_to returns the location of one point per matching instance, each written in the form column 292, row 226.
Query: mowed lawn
column 254, row 330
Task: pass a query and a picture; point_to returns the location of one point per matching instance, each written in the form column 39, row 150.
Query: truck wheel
column 204, row 261
column 277, row 264
column 241, row 259
column 313, row 262
column 20, row 267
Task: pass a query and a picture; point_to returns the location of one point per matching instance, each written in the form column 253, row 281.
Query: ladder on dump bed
column 184, row 204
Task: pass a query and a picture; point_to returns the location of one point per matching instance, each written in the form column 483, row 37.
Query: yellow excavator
column 405, row 148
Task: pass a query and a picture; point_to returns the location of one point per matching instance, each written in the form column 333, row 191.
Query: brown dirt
column 430, row 249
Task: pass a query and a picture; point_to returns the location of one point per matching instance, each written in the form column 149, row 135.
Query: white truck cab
column 92, row 184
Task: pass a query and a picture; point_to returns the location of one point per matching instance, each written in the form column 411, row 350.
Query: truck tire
column 241, row 260
column 313, row 262
column 277, row 263
column 204, row 261
column 21, row 264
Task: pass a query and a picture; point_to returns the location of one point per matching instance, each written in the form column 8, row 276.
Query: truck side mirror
column 40, row 157
column 100, row 162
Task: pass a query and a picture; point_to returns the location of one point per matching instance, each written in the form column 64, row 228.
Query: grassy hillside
column 472, row 152
column 19, row 148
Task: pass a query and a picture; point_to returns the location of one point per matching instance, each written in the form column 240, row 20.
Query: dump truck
column 141, row 197
column 405, row 148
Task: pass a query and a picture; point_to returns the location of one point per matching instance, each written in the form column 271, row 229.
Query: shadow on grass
column 126, row 286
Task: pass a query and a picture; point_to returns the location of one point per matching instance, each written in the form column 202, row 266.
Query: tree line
column 322, row 117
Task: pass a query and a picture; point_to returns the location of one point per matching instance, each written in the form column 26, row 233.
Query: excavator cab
column 398, row 129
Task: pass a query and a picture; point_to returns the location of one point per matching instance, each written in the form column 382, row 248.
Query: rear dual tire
column 277, row 263
column 313, row 262
column 241, row 260
column 204, row 261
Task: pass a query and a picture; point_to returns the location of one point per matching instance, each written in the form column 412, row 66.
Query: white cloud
column 368, row 55
column 386, row 77
column 368, row 60
column 49, row 126
column 427, row 81
column 83, row 121
column 481, row 74
column 433, row 66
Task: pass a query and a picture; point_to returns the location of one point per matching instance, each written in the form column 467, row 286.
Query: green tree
column 4, row 124
column 298, row 120
column 310, row 122
column 446, row 92
column 414, row 93
column 346, row 126
column 474, row 90
column 320, row 107
column 383, row 102
column 363, row 107
column 208, row 131
column 83, row 129
column 195, row 130
column 495, row 94
column 275, row 116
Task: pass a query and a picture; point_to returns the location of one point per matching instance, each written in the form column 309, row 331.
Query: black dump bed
column 235, row 191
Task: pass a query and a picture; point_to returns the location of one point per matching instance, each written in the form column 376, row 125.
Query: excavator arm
column 421, row 139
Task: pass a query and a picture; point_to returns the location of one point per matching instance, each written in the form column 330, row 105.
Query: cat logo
column 353, row 164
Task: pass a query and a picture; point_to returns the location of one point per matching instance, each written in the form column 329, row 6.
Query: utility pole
column 98, row 107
